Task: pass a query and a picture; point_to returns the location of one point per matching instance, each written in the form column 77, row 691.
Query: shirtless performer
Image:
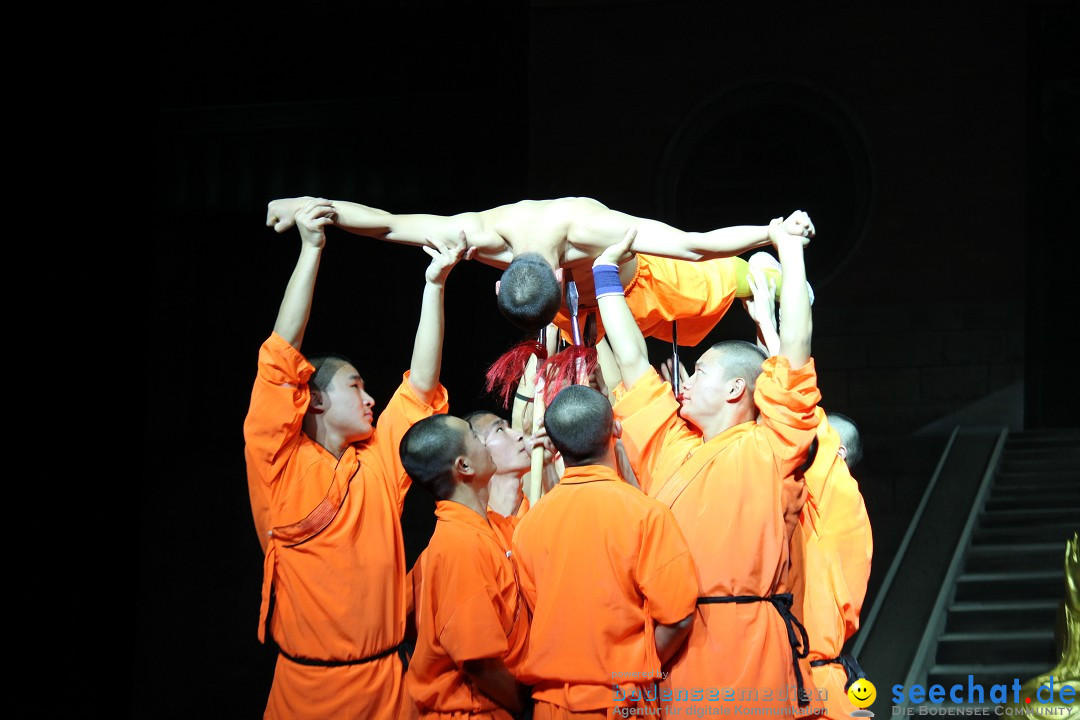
column 535, row 241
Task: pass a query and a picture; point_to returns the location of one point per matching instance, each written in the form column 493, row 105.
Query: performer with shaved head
column 832, row 544
column 511, row 452
column 536, row 240
column 327, row 488
column 605, row 571
column 721, row 472
column 471, row 621
column 838, row 546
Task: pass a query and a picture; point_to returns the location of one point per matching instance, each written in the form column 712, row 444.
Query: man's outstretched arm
column 624, row 336
column 427, row 348
column 310, row 218
column 596, row 229
column 410, row 229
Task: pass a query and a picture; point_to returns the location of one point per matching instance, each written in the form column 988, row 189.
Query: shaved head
column 529, row 293
column 740, row 359
column 326, row 366
column 849, row 437
column 428, row 451
column 579, row 422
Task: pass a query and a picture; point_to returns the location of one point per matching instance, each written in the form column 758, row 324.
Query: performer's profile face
column 346, row 406
column 506, row 445
column 476, row 452
column 703, row 393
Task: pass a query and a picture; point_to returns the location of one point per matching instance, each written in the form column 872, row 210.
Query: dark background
column 934, row 144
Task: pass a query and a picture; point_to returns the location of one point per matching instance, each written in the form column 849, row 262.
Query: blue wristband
column 606, row 280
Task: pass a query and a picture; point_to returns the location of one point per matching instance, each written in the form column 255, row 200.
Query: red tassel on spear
column 572, row 366
column 504, row 373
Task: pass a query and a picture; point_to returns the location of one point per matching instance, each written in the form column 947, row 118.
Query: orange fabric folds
column 600, row 564
column 467, row 608
column 335, row 561
column 697, row 294
column 727, row 496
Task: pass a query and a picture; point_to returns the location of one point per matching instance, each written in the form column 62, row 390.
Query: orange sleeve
column 467, row 620
column 846, row 538
column 666, row 574
column 279, row 400
column 403, row 411
column 817, row 474
column 650, row 421
column 787, row 399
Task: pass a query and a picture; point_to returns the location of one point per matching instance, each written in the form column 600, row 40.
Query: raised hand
column 311, row 220
column 799, row 223
column 597, row 383
column 666, row 374
column 445, row 256
column 540, row 439
column 620, row 252
column 280, row 214
column 762, row 309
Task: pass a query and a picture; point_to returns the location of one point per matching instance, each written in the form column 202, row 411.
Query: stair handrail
column 879, row 599
column 920, row 664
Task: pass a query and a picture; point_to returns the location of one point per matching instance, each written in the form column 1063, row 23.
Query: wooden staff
column 536, row 474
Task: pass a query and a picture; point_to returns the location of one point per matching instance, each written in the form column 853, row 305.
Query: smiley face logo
column 862, row 693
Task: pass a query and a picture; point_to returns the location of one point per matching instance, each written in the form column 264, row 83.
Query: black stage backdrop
column 906, row 132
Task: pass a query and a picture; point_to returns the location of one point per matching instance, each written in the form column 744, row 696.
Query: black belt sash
column 341, row 663
column 782, row 603
column 848, row 662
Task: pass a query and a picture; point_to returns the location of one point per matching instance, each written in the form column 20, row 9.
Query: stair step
column 1056, row 532
column 1028, row 585
column 1030, row 500
column 1064, row 448
column 997, row 518
column 1001, row 646
column 1004, row 615
column 1049, row 465
column 1062, row 472
column 987, row 557
column 1033, row 485
column 985, row 674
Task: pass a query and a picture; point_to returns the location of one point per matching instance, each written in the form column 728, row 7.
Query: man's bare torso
column 558, row 230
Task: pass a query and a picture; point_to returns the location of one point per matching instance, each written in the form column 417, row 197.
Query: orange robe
column 697, row 294
column 727, row 495
column 837, row 547
column 600, row 564
column 504, row 527
column 468, row 608
column 331, row 531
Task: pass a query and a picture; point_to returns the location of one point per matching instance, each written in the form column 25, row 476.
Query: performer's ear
column 737, row 389
column 842, row 452
column 498, row 286
column 616, row 429
column 462, row 467
column 315, row 405
column 558, row 274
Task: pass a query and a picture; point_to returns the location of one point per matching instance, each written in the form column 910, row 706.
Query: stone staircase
column 999, row 625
